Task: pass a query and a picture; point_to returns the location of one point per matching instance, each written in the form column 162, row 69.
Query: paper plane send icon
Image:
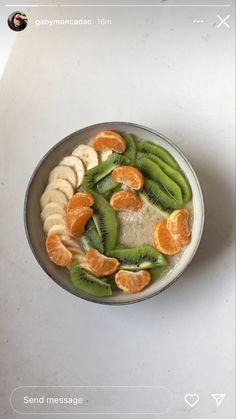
column 218, row 398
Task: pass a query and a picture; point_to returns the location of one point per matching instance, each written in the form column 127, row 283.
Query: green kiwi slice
column 153, row 194
column 106, row 184
column 157, row 272
column 149, row 147
column 135, row 258
column 131, row 148
column 109, row 194
column 111, row 281
column 153, row 171
column 105, row 220
column 88, row 283
column 91, row 238
column 177, row 176
column 94, row 175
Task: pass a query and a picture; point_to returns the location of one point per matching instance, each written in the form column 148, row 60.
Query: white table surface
column 155, row 67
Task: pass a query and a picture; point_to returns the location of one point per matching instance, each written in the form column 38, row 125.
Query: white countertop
column 151, row 66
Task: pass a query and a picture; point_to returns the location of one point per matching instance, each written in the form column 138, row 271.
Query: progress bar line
column 117, row 5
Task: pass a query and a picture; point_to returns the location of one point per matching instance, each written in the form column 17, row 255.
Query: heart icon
column 191, row 399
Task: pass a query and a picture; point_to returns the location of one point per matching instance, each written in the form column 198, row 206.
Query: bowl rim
column 25, row 210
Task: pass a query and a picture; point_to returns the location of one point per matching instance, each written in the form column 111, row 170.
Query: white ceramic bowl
column 39, row 179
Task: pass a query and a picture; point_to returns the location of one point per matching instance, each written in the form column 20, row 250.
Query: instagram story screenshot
column 117, row 183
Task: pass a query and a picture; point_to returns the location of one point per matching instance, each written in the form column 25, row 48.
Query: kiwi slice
column 88, row 283
column 157, row 272
column 153, row 171
column 94, row 175
column 111, row 281
column 136, row 258
column 109, row 194
column 153, row 194
column 91, row 238
column 131, row 148
column 106, row 184
column 105, row 220
column 176, row 175
column 149, row 147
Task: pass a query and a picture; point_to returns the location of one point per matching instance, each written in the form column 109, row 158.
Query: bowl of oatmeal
column 114, row 213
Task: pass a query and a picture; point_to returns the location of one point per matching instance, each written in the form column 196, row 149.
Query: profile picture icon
column 17, row 21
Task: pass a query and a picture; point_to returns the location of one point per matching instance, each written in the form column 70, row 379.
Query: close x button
column 223, row 21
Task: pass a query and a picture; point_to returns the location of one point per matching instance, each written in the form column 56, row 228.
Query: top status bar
column 118, row 5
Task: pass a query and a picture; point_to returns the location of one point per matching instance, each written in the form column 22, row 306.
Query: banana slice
column 53, row 195
column 82, row 261
column 51, row 209
column 77, row 252
column 77, row 256
column 77, row 165
column 86, row 266
column 104, row 155
column 52, row 220
column 69, row 241
column 64, row 172
column 79, row 260
column 87, row 154
column 58, row 229
column 63, row 186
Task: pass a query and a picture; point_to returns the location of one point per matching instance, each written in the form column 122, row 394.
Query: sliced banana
column 72, row 246
column 64, row 172
column 58, row 229
column 51, row 209
column 82, row 261
column 77, row 256
column 77, row 165
column 69, row 240
column 52, row 220
column 63, row 186
column 75, row 252
column 86, row 266
column 83, row 265
column 105, row 154
column 53, row 195
column 87, row 154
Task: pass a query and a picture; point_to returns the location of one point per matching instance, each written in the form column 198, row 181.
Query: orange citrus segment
column 177, row 224
column 164, row 241
column 132, row 281
column 100, row 264
column 109, row 140
column 56, row 250
column 128, row 175
column 80, row 199
column 125, row 200
column 77, row 218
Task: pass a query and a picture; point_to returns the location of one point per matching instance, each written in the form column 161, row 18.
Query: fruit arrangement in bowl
column 117, row 214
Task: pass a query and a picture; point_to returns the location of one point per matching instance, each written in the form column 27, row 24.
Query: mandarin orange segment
column 177, row 224
column 77, row 218
column 100, row 264
column 80, row 199
column 109, row 140
column 56, row 251
column 164, row 241
column 125, row 201
column 132, row 281
column 128, row 175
